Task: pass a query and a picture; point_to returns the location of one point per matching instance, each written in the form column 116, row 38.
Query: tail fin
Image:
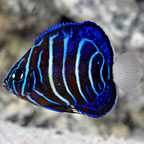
column 126, row 71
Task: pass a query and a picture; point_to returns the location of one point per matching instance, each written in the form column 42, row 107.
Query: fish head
column 19, row 80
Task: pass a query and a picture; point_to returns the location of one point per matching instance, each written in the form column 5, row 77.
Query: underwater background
column 21, row 21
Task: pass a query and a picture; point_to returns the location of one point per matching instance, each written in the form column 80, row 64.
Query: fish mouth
column 4, row 85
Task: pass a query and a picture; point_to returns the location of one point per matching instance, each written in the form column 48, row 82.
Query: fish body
column 68, row 69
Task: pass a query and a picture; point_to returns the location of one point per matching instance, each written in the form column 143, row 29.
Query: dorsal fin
column 50, row 29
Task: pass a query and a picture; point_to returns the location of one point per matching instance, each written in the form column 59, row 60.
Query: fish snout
column 4, row 84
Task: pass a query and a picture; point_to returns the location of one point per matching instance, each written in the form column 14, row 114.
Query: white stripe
column 33, row 101
column 50, row 70
column 38, row 66
column 63, row 68
column 43, row 96
column 90, row 72
column 36, row 103
column 77, row 68
column 101, row 69
column 27, row 67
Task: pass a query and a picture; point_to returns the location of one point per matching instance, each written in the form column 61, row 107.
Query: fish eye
column 18, row 75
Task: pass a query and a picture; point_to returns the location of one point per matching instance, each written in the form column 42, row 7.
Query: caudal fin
column 126, row 71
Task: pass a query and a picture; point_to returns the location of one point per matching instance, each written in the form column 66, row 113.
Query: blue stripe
column 77, row 68
column 14, row 66
column 99, row 86
column 50, row 70
column 10, row 90
column 12, row 73
column 14, row 87
column 27, row 67
column 108, row 72
column 43, row 96
column 40, row 94
column 90, row 72
column 101, row 70
column 63, row 68
column 38, row 66
column 34, row 84
column 34, row 102
column 28, row 85
column 20, row 63
column 13, row 82
column 89, row 92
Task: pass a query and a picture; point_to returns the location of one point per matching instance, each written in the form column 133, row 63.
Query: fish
column 71, row 68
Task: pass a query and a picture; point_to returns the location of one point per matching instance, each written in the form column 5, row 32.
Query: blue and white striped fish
column 70, row 68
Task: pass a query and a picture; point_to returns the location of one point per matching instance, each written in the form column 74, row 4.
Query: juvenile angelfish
column 71, row 68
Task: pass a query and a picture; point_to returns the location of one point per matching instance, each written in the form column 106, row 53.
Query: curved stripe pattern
column 63, row 68
column 77, row 68
column 43, row 96
column 50, row 70
column 33, row 101
column 90, row 67
column 36, row 103
column 90, row 72
column 39, row 93
column 101, row 70
column 38, row 66
column 27, row 67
